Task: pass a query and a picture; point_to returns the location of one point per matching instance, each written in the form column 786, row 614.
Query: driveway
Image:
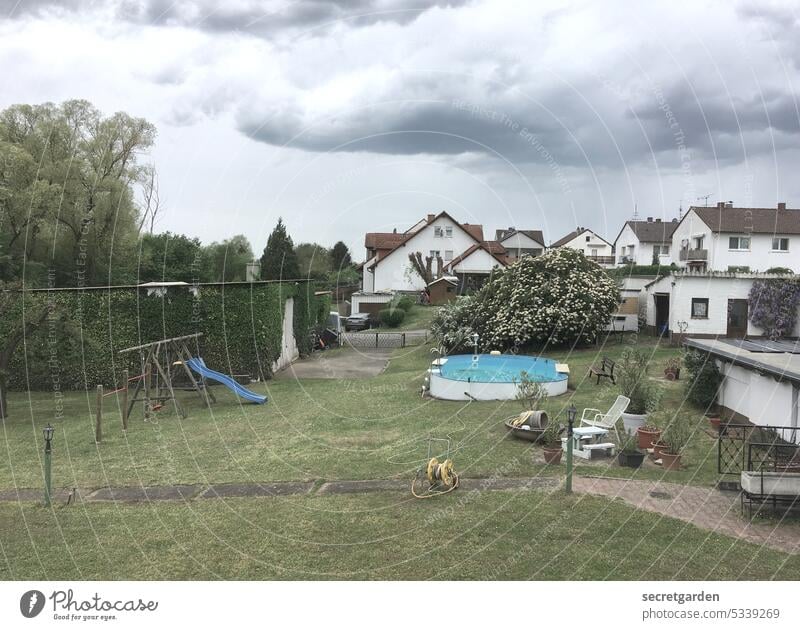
column 341, row 363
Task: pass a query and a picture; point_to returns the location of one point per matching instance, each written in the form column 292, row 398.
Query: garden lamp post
column 48, row 438
column 475, row 338
column 571, row 413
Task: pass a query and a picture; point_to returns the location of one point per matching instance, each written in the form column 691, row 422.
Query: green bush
column 405, row 303
column 392, row 317
column 631, row 372
column 704, row 378
column 241, row 325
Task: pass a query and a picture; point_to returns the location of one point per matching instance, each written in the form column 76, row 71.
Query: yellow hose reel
column 434, row 479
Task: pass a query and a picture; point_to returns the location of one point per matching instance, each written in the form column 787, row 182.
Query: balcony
column 602, row 260
column 693, row 255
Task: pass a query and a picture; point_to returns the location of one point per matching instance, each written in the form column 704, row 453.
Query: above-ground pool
column 492, row 376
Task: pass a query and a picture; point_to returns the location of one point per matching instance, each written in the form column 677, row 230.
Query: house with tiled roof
column 645, row 242
column 518, row 243
column 732, row 238
column 460, row 247
column 594, row 246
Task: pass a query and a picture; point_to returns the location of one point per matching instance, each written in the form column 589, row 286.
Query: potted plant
column 628, row 454
column 672, row 369
column 633, row 383
column 676, row 436
column 647, row 435
column 551, row 440
column 531, row 394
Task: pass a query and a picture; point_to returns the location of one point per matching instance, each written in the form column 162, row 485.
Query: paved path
column 340, row 363
column 706, row 508
column 135, row 494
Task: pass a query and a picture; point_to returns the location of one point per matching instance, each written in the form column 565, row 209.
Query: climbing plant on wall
column 772, row 305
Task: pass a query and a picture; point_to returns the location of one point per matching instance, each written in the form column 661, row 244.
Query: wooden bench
column 606, row 370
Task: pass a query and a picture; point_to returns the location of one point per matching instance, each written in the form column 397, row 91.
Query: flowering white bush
column 454, row 324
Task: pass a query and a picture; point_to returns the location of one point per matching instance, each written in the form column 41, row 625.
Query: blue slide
column 199, row 366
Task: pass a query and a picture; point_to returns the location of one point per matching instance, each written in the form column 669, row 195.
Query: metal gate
column 741, row 446
column 376, row 339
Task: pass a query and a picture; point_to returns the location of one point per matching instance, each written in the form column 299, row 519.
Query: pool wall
column 451, row 389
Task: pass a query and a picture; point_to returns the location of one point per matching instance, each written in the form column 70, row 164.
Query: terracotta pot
column 552, row 454
column 670, row 461
column 658, row 448
column 715, row 421
column 647, row 437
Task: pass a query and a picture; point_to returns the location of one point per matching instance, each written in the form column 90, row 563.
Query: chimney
column 674, row 220
column 729, row 204
column 720, row 204
column 782, row 205
column 431, row 217
column 394, row 231
column 649, row 219
column 658, row 220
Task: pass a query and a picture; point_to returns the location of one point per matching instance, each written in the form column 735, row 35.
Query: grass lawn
column 488, row 535
column 314, row 429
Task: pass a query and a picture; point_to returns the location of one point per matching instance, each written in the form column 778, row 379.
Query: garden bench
column 605, row 370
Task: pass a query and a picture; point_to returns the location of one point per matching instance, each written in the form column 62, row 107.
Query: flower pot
column 552, row 454
column 630, row 460
column 670, row 461
column 715, row 422
column 632, row 421
column 672, row 374
column 647, row 437
column 658, row 448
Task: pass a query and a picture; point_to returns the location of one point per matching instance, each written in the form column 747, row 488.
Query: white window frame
column 437, row 231
column 448, row 254
column 739, row 247
column 779, row 239
column 448, row 231
column 435, row 253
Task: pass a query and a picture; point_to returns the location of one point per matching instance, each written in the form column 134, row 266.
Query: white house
column 727, row 238
column 518, row 243
column 594, row 247
column 760, row 382
column 645, row 242
column 388, row 268
column 702, row 305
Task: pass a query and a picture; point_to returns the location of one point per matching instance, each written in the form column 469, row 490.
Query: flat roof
column 784, row 366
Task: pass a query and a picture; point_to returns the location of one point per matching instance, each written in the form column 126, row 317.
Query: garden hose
column 441, row 477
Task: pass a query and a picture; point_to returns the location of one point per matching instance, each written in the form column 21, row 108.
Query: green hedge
column 392, row 317
column 241, row 325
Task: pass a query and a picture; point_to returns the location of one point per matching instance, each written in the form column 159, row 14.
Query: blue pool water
column 502, row 368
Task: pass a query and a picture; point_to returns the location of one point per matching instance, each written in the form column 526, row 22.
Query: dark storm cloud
column 257, row 17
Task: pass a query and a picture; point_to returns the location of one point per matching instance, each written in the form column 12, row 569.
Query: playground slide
column 199, row 366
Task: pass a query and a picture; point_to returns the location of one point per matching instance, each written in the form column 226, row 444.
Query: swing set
column 160, row 361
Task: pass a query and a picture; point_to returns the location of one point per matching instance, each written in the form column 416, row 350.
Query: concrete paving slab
column 343, row 363
column 232, row 490
column 135, row 494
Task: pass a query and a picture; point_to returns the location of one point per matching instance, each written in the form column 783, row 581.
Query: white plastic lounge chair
column 596, row 418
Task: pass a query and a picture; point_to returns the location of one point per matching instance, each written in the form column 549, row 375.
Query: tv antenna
column 705, row 198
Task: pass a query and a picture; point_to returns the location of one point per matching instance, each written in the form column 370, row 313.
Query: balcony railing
column 602, row 260
column 690, row 255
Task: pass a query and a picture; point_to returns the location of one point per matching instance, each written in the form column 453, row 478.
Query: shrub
column 392, row 317
column 677, row 433
column 781, row 271
column 405, row 303
column 530, row 393
column 627, row 442
column 633, row 382
column 560, row 297
column 773, row 305
column 704, row 378
column 454, row 323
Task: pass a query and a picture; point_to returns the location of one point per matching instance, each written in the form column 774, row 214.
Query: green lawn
column 489, row 535
column 334, row 429
column 317, row 429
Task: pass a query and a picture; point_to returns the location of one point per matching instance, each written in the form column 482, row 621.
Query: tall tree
column 227, row 261
column 67, row 190
column 340, row 256
column 279, row 260
column 313, row 260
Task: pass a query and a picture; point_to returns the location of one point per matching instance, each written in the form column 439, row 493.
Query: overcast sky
column 347, row 117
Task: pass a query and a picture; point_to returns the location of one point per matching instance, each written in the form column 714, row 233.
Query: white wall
column 390, row 274
column 717, row 289
column 289, row 351
column 595, row 242
column 375, row 298
column 479, row 261
column 761, row 399
column 520, row 241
